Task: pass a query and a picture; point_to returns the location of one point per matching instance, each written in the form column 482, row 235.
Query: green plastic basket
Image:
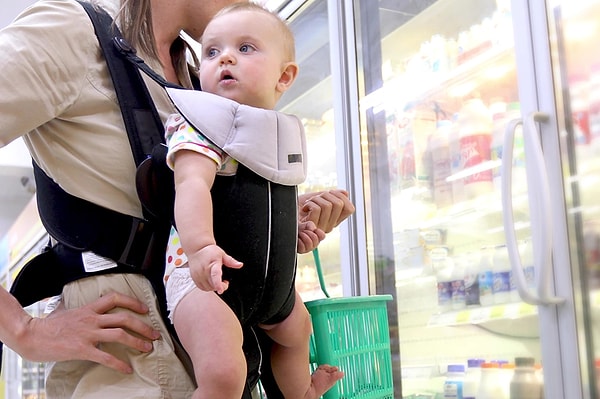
column 353, row 334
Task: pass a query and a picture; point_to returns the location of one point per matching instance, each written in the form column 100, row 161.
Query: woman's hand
column 319, row 213
column 75, row 334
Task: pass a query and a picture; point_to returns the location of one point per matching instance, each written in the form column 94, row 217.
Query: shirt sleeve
column 180, row 135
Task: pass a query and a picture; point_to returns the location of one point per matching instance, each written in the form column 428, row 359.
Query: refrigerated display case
column 432, row 89
column 448, row 197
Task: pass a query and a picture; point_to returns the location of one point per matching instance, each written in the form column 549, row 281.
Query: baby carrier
column 247, row 206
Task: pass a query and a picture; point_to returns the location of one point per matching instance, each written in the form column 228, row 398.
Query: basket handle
column 320, row 271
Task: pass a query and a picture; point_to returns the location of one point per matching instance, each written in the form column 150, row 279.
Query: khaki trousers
column 160, row 374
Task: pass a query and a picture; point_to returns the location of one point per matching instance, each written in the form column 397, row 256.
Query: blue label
column 453, row 390
column 501, row 282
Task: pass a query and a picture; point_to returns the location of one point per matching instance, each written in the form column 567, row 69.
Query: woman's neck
column 166, row 31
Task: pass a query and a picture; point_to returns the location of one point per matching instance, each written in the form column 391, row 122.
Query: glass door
column 574, row 41
column 311, row 99
column 438, row 88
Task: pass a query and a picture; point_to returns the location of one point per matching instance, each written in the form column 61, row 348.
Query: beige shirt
column 58, row 95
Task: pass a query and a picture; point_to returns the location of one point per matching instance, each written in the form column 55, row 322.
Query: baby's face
column 243, row 58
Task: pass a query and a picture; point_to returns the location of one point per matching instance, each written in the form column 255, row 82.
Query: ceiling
column 16, row 178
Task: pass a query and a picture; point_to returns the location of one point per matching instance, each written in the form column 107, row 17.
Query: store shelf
column 483, row 314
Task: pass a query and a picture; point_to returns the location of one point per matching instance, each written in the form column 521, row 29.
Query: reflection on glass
column 310, row 98
column 438, row 89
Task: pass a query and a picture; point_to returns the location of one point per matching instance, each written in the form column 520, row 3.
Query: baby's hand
column 206, row 268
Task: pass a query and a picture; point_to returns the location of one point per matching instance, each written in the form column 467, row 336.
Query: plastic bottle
column 486, row 278
column 507, row 371
column 502, row 275
column 441, row 168
column 475, row 129
column 472, row 378
column 526, row 250
column 498, row 110
column 459, row 300
column 471, row 280
column 490, row 385
column 524, row 383
column 453, row 386
column 444, row 284
column 456, row 166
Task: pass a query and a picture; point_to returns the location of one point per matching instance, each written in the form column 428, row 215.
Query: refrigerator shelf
column 483, row 315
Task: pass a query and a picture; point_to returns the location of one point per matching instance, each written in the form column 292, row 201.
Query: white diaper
column 178, row 285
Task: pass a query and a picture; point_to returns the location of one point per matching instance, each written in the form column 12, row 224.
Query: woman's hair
column 135, row 18
column 284, row 29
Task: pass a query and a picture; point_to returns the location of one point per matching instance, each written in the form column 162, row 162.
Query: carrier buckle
column 134, row 253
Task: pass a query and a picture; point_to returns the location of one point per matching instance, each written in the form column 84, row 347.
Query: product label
column 471, row 289
column 502, row 282
column 486, row 284
column 444, row 290
column 529, row 275
column 458, row 294
column 474, row 150
column 453, row 390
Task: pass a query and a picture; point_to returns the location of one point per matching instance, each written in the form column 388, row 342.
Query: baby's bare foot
column 322, row 379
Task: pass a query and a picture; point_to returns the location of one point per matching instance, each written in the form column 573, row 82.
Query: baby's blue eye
column 211, row 52
column 244, row 48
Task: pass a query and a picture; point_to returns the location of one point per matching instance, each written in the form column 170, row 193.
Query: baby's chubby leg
column 212, row 336
column 290, row 357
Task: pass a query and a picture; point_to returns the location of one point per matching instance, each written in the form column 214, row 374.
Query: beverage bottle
column 524, row 383
column 472, row 378
column 454, row 384
column 498, row 110
column 443, row 270
column 501, row 275
column 527, row 263
column 423, row 126
column 486, row 278
column 490, row 386
column 459, row 300
column 441, row 168
column 456, row 166
column 471, row 280
column 507, row 371
column 475, row 129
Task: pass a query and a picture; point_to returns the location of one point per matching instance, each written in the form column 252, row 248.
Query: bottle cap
column 489, row 365
column 456, row 368
column 524, row 361
column 474, row 362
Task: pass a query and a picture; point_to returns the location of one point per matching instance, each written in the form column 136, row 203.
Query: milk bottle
column 471, row 280
column 441, row 164
column 475, row 129
column 486, row 278
column 502, row 275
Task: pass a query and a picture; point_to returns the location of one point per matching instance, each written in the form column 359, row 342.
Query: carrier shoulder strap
column 144, row 127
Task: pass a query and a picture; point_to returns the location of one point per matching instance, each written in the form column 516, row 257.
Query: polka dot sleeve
column 180, row 135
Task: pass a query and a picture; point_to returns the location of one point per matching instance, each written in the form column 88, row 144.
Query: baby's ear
column 288, row 76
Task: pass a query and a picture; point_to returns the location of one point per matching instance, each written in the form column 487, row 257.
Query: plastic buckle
column 137, row 244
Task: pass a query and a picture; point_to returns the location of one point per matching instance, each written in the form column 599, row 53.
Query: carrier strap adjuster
column 134, row 252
